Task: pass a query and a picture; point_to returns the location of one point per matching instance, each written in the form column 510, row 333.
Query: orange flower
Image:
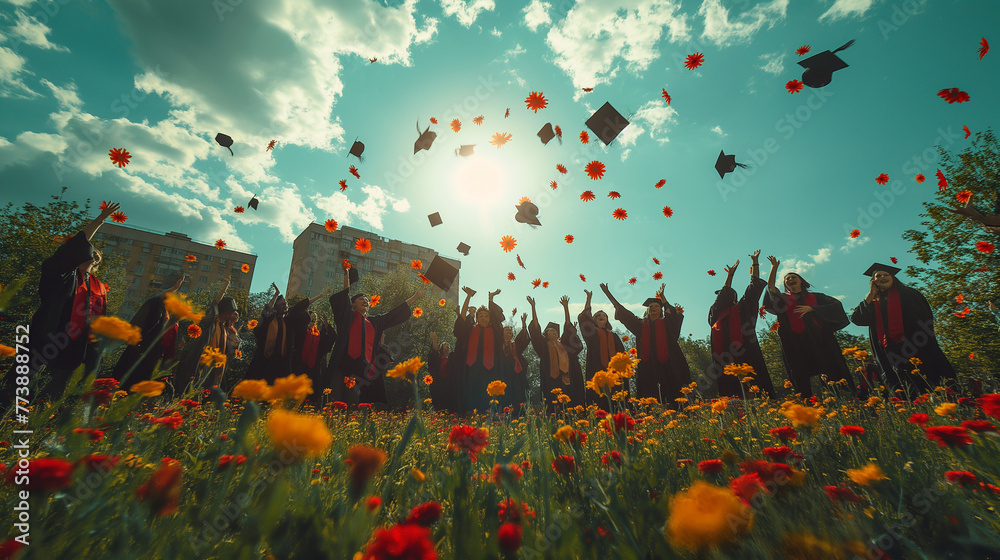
column 428, row 380
column 113, row 327
column 119, row 156
column 7, row 351
column 568, row 238
column 506, row 113
column 919, row 177
column 561, row 168
column 984, row 247
column 456, row 125
column 238, row 209
column 536, row 282
column 434, row 120
column 855, row 233
column 507, row 243
column 667, row 211
column 587, row 196
column 584, row 137
column 882, row 179
column 220, row 244
column 478, row 121
column 963, row 196
column 614, row 195
column 711, row 273
column 656, row 260
column 666, row 96
column 500, row 138
column 416, row 265
column 354, row 171
column 595, row 170
column 620, row 214
column 536, row 101
column 345, row 264
column 545, row 284
column 774, row 327
column 632, row 280
column 373, row 301
column 363, row 245
column 270, row 145
column 119, row 217
column 694, row 60
column 190, row 258
column 802, row 50
column 314, row 331
column 442, row 302
column 349, row 382
column 343, row 185
column 245, row 268
column 423, row 278
column 252, row 324
column 194, row 331
column 660, row 183
column 960, row 298
column 523, row 199
column 162, row 491
column 657, row 275
column 794, row 86
column 417, row 312
column 558, row 131
column 554, row 185
column 331, row 225
column 583, row 278
column 510, row 276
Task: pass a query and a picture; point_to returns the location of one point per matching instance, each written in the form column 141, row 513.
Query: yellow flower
column 294, row 387
column 403, row 369
column 178, row 307
column 212, row 357
column 252, row 390
column 850, row 350
column 327, row 391
column 860, row 355
column 802, row 415
column 788, row 384
column 738, row 370
column 754, row 389
column 671, row 425
column 619, row 396
column 687, row 390
column 7, row 351
column 564, row 434
column 866, row 475
column 113, row 327
column 946, row 409
column 623, row 364
column 872, row 401
column 603, row 381
column 428, row 380
column 563, row 399
column 705, row 516
column 720, row 406
column 296, row 432
column 148, row 388
column 556, row 391
column 418, row 475
column 497, row 388
column 915, row 361
column 648, row 401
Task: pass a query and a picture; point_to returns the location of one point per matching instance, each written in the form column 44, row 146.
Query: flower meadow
column 274, row 471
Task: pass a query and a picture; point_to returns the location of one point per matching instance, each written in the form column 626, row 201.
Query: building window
column 395, row 256
column 381, row 264
column 203, row 280
column 138, row 269
column 125, row 253
column 142, row 258
column 409, row 256
column 206, row 268
column 382, row 254
column 209, row 258
column 345, row 243
column 222, row 261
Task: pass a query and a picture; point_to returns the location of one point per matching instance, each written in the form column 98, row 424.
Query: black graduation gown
column 815, row 350
column 476, row 376
column 152, row 318
column 655, row 378
column 575, row 388
column 735, row 353
column 360, row 369
column 918, row 341
column 279, row 363
column 515, row 372
column 374, row 392
column 297, row 322
column 189, row 362
column 444, row 389
column 591, row 335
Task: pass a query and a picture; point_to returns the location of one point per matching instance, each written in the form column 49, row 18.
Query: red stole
column 732, row 316
column 444, row 366
column 169, row 339
column 354, row 345
column 606, row 341
column 473, row 351
column 90, row 300
column 310, row 348
column 660, row 326
column 895, row 318
column 794, row 319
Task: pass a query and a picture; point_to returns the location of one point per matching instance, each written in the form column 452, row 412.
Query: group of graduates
column 296, row 341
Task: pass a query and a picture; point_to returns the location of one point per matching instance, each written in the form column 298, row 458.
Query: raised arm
column 274, row 298
column 755, row 265
column 772, row 275
column 416, row 295
column 326, row 292
column 534, row 315
column 586, row 305
column 90, row 229
column 222, row 292
column 469, row 292
column 434, row 341
column 730, row 272
column 347, row 276
column 611, row 298
column 565, row 303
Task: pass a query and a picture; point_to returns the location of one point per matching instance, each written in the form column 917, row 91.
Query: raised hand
column 494, row 293
column 659, row 293
column 730, row 270
column 524, row 317
column 604, row 288
column 774, row 262
column 468, row 291
column 564, row 301
column 589, row 293
column 110, row 209
column 755, row 255
column 531, row 301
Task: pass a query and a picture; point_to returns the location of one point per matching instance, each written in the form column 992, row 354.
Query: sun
column 480, row 180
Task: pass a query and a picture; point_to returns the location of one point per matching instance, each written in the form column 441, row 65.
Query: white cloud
column 589, row 42
column 496, row 32
column 774, row 63
column 67, row 97
column 536, row 14
column 721, row 31
column 844, row 8
column 29, row 31
column 718, row 130
column 466, row 11
column 658, row 116
column 853, row 243
column 823, row 255
column 12, row 67
column 804, row 266
column 371, row 210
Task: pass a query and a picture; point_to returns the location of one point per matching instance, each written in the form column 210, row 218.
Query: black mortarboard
column 357, row 149
column 546, row 133
column 651, row 301
column 425, row 139
column 353, row 276
column 726, row 164
column 435, row 219
column 552, row 325
column 462, row 248
column 253, row 202
column 819, row 68
column 893, row 270
column 227, row 305
column 441, row 274
column 465, row 150
column 224, row 141
column 607, row 123
column 527, row 213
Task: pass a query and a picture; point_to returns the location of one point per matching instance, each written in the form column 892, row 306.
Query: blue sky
column 160, row 79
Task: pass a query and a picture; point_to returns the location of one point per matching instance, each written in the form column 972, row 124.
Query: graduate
column 901, row 327
column 479, row 347
column 662, row 369
column 217, row 331
column 515, row 367
column 445, row 392
column 807, row 322
column 70, row 297
column 274, row 334
column 558, row 357
column 734, row 332
column 358, row 337
column 311, row 340
column 602, row 343
column 152, row 318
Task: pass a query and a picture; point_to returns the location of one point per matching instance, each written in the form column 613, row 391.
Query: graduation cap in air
column 425, row 139
column 893, row 270
column 462, row 248
column 357, row 148
column 819, row 68
column 726, row 164
column 607, row 123
column 253, row 202
column 465, row 150
column 225, row 141
column 435, row 219
column 527, row 213
column 546, row 133
column 441, row 274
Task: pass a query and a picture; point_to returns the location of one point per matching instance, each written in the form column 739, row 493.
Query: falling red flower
column 354, row 171
column 416, row 264
column 984, row 247
column 794, row 86
column 536, row 101
column 632, row 280
column 363, row 245
column 331, row 225
column 711, row 273
column 657, row 275
column 519, row 263
column 500, row 138
column 456, row 125
column 536, row 283
column 507, row 243
column 960, row 298
column 434, row 120
column 583, row 278
column 507, row 113
column 963, row 313
column 270, row 145
column 190, row 258
column 855, row 233
column 561, row 168
column 894, row 260
column 882, row 179
column 238, row 209
column 984, row 47
column 967, row 131
column 595, row 170
column 919, row 177
column 694, row 60
column 119, row 217
column 343, row 185
column 119, row 156
column 802, row 50
column 554, row 185
column 568, row 238
column 478, row 121
column 953, row 95
column 220, row 244
column 587, row 89
column 620, row 214
column 587, row 196
column 613, row 195
column 558, row 131
column 666, row 96
column 667, row 211
column 942, row 182
column 656, row 260
column 584, row 137
column 660, row 183
column 510, row 276
column 545, row 284
column 963, row 196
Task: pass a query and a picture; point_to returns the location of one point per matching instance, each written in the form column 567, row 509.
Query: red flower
column 657, row 275
column 507, row 243
column 949, row 436
column 44, row 474
column 510, row 472
column 354, row 171
column 784, row 433
column 561, row 168
column 434, row 120
column 694, row 60
column 623, row 422
column 194, row 331
column 425, row 514
column 584, row 137
column 270, row 145
column 979, row 426
column 363, row 245
column 568, row 238
column 119, row 217
column 456, row 125
column 746, row 487
column 478, row 121
column 711, row 466
column 119, row 156
column 401, row 541
column 711, row 273
column 238, row 209
column 794, row 86
column 190, row 258
column 10, row 548
column 612, row 457
column 510, row 276
column 779, row 453
column 660, row 183
column 882, row 179
column 894, row 260
column 220, row 244
column 919, row 177
column 554, row 185
column 963, row 196
column 103, row 383
column 509, row 536
column 656, row 260
column 343, row 185
column 416, row 264
column 942, row 181
column 967, row 131
column 990, row 405
column 632, row 280
column 506, row 113
column 920, row 418
column 583, row 278
column 984, row 47
column 163, row 490
column 614, row 195
column 855, row 233
column 536, row 282
column 372, row 503
column 564, row 464
column 92, row 434
column 668, row 211
column 620, row 214
column 841, row 494
column 985, row 247
column 963, row 313
column 331, row 225
column 953, row 95
column 469, row 439
column 962, row 478
column 535, row 101
column 545, row 284
column 802, row 50
column 587, row 196
column 558, row 131
column 595, row 170
column 852, row 430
